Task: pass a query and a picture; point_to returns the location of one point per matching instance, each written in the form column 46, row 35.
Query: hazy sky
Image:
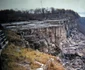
column 76, row 5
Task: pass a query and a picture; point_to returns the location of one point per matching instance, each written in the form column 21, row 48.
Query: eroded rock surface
column 73, row 51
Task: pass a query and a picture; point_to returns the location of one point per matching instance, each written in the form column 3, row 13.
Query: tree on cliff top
column 36, row 14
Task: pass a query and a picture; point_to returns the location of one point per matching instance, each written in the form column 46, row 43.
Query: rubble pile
column 73, row 50
column 74, row 64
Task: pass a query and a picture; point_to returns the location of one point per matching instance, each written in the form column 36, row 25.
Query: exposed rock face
column 44, row 34
column 50, row 38
column 73, row 51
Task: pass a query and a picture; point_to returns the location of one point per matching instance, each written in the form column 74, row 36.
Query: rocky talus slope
column 73, row 51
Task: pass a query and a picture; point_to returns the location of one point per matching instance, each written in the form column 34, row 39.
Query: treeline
column 36, row 14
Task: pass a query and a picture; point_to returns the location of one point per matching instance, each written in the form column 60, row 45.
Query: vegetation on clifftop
column 36, row 14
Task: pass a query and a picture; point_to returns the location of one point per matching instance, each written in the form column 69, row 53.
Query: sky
column 76, row 5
